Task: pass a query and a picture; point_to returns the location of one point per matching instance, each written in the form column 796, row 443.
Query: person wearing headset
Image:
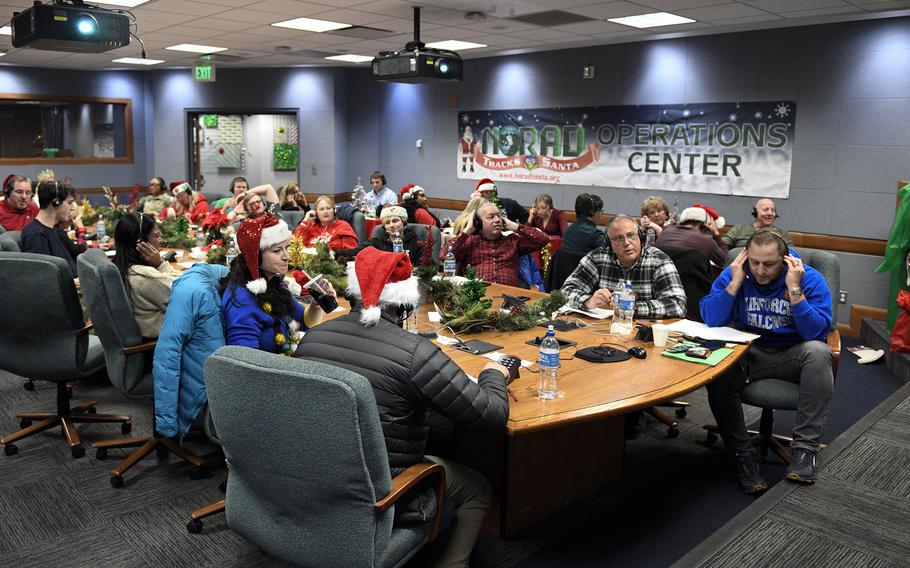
column 765, row 213
column 57, row 203
column 583, row 236
column 658, row 289
column 156, row 198
column 698, row 229
column 380, row 193
column 17, row 209
column 767, row 290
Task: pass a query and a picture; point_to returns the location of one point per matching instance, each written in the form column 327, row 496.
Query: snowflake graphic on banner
column 733, row 117
column 466, row 118
column 782, row 110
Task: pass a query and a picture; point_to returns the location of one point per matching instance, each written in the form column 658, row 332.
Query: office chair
column 562, row 263
column 310, row 433
column 126, row 354
column 11, row 241
column 45, row 337
column 421, row 232
column 781, row 394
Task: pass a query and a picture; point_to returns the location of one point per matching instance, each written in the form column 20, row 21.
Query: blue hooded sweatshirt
column 191, row 331
column 766, row 310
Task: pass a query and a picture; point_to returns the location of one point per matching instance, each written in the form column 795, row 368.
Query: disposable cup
column 661, row 332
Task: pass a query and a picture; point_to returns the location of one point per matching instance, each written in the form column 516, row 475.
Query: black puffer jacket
column 409, row 375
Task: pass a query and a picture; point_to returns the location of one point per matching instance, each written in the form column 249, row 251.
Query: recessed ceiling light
column 193, row 48
column 651, row 20
column 455, row 45
column 6, row 30
column 351, row 58
column 124, row 3
column 311, row 25
column 137, row 61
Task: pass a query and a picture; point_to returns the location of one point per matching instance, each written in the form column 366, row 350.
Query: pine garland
column 323, row 263
column 175, row 232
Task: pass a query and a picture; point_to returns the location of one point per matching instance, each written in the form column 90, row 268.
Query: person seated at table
column 697, row 229
column 765, row 213
column 414, row 201
column 487, row 189
column 146, row 276
column 156, row 198
column 18, row 209
column 258, row 302
column 321, row 225
column 544, row 217
column 583, row 236
column 394, row 221
column 187, row 203
column 290, row 198
column 654, row 214
column 658, row 289
column 411, row 377
column 41, row 236
column 379, row 194
column 466, row 217
column 254, row 205
column 767, row 290
column 233, row 206
column 493, row 255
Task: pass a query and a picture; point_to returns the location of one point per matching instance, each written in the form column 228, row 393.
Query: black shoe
column 750, row 478
column 803, row 467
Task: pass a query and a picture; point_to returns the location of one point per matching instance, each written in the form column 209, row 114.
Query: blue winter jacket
column 766, row 310
column 529, row 273
column 191, row 331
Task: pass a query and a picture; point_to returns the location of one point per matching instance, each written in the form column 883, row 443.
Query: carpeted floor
column 60, row 512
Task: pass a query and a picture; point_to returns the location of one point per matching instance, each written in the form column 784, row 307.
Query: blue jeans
column 810, row 364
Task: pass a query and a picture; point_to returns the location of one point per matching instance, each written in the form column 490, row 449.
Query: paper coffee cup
column 661, row 332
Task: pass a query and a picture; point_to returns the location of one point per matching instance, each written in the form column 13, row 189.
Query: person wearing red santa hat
column 258, row 302
column 188, row 203
column 697, row 228
column 410, row 376
column 486, row 188
column 414, row 201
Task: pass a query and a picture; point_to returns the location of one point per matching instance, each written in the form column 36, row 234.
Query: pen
column 512, row 394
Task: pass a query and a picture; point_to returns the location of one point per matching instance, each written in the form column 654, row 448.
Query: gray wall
column 851, row 83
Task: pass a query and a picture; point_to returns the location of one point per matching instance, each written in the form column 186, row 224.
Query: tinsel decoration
column 285, row 157
column 546, row 253
column 295, row 252
column 359, row 197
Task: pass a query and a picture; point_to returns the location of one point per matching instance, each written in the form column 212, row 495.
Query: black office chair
column 562, row 263
column 45, row 337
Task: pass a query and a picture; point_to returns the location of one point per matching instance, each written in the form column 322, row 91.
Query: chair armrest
column 834, row 344
column 85, row 329
column 410, row 477
column 140, row 348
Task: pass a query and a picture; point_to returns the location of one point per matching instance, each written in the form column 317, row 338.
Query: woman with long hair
column 321, row 225
column 257, row 300
column 290, row 198
column 545, row 217
column 467, row 215
column 147, row 277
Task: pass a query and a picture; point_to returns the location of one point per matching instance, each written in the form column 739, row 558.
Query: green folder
column 714, row 358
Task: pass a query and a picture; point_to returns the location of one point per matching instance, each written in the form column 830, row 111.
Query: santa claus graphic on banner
column 467, row 145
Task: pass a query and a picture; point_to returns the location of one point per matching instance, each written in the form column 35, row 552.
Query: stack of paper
column 697, row 329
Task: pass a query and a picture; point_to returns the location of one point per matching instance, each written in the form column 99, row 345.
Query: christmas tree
column 359, row 196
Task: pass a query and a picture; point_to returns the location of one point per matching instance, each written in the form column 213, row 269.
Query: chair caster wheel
column 77, row 451
column 198, row 472
column 24, row 423
column 116, row 481
column 101, row 454
column 672, row 432
column 711, row 438
column 681, row 412
column 29, row 386
column 194, row 526
column 126, row 428
column 10, row 449
column 223, row 486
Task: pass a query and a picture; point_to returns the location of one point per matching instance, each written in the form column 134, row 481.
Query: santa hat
column 700, row 213
column 486, row 184
column 410, row 191
column 381, row 278
column 256, row 235
column 178, row 186
column 394, row 211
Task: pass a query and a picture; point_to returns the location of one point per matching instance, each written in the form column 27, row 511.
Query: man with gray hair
column 658, row 289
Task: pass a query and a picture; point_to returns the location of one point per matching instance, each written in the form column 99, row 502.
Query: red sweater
column 556, row 225
column 200, row 210
column 16, row 220
column 339, row 234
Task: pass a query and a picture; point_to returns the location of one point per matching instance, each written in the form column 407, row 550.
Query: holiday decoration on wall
column 285, row 158
column 210, row 120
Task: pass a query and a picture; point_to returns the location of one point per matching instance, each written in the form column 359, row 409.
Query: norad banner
column 718, row 148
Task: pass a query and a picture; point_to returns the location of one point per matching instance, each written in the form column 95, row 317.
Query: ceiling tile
column 673, row 5
column 183, row 7
column 779, row 6
column 606, row 10
column 723, row 12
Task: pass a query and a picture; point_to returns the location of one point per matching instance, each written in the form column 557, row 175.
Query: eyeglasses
column 620, row 239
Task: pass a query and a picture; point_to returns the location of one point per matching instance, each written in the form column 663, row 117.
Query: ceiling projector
column 416, row 63
column 78, row 28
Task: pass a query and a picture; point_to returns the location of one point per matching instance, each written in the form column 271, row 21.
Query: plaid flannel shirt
column 497, row 261
column 658, row 289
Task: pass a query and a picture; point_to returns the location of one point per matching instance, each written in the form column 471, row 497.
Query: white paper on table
column 446, row 340
column 472, row 377
column 185, row 264
column 339, row 309
column 596, row 313
column 496, row 356
column 434, row 317
column 697, row 329
column 308, row 250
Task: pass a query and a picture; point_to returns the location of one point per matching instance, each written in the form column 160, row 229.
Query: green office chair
column 45, row 337
column 310, row 481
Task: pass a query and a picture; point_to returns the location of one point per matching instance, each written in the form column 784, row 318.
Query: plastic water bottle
column 200, row 238
column 100, row 229
column 449, row 265
column 649, row 237
column 624, row 311
column 547, row 384
column 397, row 243
column 231, row 253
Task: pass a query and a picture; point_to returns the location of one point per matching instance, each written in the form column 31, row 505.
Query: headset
column 235, row 180
column 139, row 216
column 642, row 237
column 755, row 212
column 380, row 175
column 56, row 201
column 10, row 181
column 769, row 231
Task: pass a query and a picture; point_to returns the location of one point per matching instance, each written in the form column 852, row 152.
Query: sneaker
column 803, row 467
column 750, row 478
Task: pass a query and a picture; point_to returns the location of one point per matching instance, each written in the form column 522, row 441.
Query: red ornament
column 221, row 150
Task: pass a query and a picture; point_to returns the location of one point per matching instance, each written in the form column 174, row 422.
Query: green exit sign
column 204, row 72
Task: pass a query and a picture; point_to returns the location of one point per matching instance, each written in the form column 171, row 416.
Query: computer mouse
column 638, row 352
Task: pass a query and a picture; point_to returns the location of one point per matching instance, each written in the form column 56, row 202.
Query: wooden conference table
column 553, row 452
